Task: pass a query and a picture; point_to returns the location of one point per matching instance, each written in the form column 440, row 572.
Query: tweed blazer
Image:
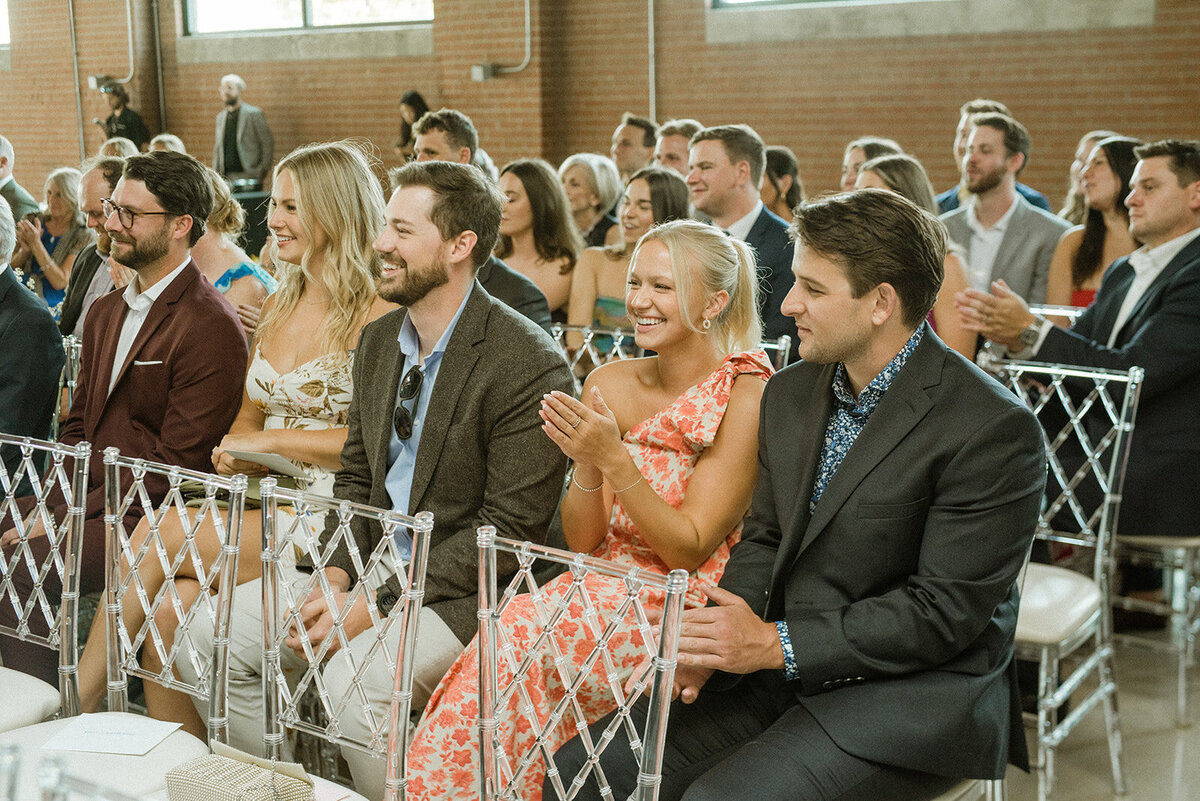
column 255, row 144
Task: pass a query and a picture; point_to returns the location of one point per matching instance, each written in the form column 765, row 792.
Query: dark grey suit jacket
column 1023, row 260
column 19, row 201
column 1162, row 336
column 255, row 145
column 773, row 251
column 506, row 284
column 899, row 589
column 483, row 458
column 31, row 359
column 86, row 263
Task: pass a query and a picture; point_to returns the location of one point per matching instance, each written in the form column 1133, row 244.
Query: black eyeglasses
column 402, row 419
column 127, row 216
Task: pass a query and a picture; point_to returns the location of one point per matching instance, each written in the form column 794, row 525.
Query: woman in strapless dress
column 326, row 209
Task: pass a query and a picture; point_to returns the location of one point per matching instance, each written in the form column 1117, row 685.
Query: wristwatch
column 1031, row 332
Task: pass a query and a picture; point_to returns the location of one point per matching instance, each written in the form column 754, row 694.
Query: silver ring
column 578, row 420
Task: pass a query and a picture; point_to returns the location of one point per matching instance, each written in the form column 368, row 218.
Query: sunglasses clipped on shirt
column 402, row 418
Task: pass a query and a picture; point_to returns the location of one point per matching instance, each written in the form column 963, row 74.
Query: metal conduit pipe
column 78, row 91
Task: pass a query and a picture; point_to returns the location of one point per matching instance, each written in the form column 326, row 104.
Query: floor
column 1162, row 761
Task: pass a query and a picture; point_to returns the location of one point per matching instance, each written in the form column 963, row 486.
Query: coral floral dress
column 442, row 759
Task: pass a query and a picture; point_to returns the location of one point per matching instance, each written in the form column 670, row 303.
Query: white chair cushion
column 1055, row 604
column 134, row 775
column 26, row 700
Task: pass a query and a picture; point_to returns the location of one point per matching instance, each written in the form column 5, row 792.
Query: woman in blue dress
column 47, row 245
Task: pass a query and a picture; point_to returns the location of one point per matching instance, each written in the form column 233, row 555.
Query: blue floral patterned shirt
column 845, row 424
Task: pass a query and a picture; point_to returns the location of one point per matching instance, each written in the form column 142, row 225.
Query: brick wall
column 589, row 64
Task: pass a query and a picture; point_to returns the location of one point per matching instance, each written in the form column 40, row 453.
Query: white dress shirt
column 984, row 245
column 139, row 306
column 1147, row 265
column 741, row 228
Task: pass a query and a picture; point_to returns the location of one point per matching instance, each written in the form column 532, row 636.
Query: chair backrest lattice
column 67, row 381
column 780, row 351
column 45, row 476
column 58, row 785
column 1087, row 416
column 544, row 659
column 1071, row 313
column 153, row 493
column 317, row 527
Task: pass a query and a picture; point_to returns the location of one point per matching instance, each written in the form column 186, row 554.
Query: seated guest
column 633, row 144
column 90, row 277
column 1003, row 235
column 859, row 644
column 166, row 141
column 593, row 188
column 664, row 452
column 412, row 108
column 905, row 176
column 671, row 144
column 654, row 196
column 325, row 208
column 47, row 247
column 160, row 373
column 20, row 202
column 223, row 262
column 782, row 189
column 123, row 122
column 1075, row 207
column 537, row 236
column 31, row 353
column 466, row 447
column 1084, row 252
column 449, row 135
column 951, row 198
column 859, row 152
column 117, row 147
column 1146, row 313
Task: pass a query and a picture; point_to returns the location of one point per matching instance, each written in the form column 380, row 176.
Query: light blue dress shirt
column 402, row 454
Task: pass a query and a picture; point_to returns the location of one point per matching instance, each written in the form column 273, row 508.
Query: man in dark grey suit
column 19, row 201
column 31, row 351
column 726, row 164
column 244, row 147
column 1006, row 238
column 444, row 419
column 860, row 643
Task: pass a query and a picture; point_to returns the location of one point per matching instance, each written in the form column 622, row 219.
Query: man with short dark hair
column 163, row 362
column 726, row 166
column 449, row 135
column 859, row 645
column 953, row 197
column 1146, row 313
column 1005, row 238
column 633, row 144
column 90, row 276
column 444, row 420
column 244, row 148
column 123, row 121
column 20, row 202
column 671, row 144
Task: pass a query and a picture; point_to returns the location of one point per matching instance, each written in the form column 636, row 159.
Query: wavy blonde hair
column 706, row 258
column 338, row 194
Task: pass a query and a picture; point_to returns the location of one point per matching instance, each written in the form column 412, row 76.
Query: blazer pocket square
column 136, row 363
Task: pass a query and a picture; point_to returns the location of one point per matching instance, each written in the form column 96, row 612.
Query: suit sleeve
column 266, row 140
column 1166, row 346
column 31, row 359
column 977, row 531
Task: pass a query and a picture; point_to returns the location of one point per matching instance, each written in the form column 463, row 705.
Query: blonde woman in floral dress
column 665, row 452
column 326, row 209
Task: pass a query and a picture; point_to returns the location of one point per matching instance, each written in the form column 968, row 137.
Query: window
column 224, row 16
column 5, row 34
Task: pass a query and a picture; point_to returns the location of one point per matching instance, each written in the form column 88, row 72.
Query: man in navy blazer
column 31, row 351
column 860, row 643
column 1146, row 313
column 726, row 165
column 163, row 362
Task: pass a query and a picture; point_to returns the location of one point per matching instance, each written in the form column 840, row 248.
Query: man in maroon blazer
column 163, row 360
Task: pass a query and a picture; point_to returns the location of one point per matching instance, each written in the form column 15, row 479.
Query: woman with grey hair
column 593, row 187
column 49, row 241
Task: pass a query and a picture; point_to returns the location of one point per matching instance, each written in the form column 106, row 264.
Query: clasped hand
column 317, row 617
column 585, row 435
column 227, row 465
column 29, row 232
column 729, row 637
column 1000, row 316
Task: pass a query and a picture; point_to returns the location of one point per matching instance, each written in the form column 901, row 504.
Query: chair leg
column 995, row 790
column 1179, row 595
column 1112, row 722
column 1047, row 721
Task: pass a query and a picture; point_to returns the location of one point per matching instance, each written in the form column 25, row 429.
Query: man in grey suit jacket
column 19, row 201
column 860, row 643
column 444, row 419
column 1006, row 237
column 244, row 147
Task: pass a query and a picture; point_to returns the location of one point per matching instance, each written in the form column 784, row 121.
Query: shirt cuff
column 791, row 671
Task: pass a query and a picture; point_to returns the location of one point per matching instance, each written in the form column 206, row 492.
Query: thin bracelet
column 631, row 486
column 575, row 481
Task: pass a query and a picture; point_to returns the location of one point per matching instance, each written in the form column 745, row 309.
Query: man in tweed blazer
column 444, row 419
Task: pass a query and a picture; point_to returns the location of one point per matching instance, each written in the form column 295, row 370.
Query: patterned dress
column 315, row 395
column 442, row 759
